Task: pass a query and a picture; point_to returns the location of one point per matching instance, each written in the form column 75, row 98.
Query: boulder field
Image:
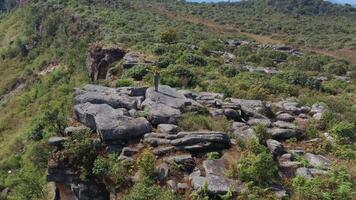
column 128, row 119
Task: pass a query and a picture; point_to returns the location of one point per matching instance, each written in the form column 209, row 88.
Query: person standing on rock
column 156, row 77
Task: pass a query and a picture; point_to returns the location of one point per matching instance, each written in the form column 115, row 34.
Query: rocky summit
column 128, row 119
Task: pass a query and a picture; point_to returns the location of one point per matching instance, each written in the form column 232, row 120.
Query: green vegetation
column 203, row 122
column 336, row 185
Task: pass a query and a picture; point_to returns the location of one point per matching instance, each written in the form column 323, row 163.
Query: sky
column 353, row 2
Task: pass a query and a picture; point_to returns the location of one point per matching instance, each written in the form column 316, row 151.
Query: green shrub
column 147, row 190
column 344, row 131
column 213, row 155
column 137, row 72
column 169, row 36
column 117, row 171
column 202, row 122
column 336, row 185
column 192, row 59
column 261, row 133
column 124, row 82
column 81, row 152
column 336, row 68
column 178, row 76
column 146, row 163
column 164, row 62
column 259, row 168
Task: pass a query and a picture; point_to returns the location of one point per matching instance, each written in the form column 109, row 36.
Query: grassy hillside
column 54, row 36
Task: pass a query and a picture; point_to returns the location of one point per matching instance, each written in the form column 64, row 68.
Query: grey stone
column 254, row 108
column 103, row 95
column 283, row 124
column 231, row 114
column 188, row 94
column 163, row 150
column 57, row 141
column 318, row 172
column 129, row 151
column 279, row 133
column 216, row 113
column 285, row 117
column 275, row 147
column 156, row 135
column 262, row 121
column 215, row 167
column 209, row 139
column 110, row 123
column 169, row 97
column 305, row 109
column 207, row 96
column 304, row 172
column 74, row 130
column 172, row 185
column 317, row 161
column 162, row 114
column 184, row 162
column 216, row 184
column 162, row 171
column 182, row 186
column 156, row 141
column 132, row 91
column 243, row 131
column 168, row 128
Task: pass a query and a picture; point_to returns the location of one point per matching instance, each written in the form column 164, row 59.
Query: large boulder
column 243, row 131
column 166, row 105
column 163, row 114
column 317, row 161
column 253, row 108
column 168, row 96
column 217, row 185
column 275, row 147
column 282, row 134
column 110, row 123
column 104, row 95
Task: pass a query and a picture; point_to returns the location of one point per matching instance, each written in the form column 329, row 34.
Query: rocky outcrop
column 111, row 123
column 215, row 178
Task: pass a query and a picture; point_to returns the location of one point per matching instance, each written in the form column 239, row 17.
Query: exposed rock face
column 166, row 105
column 243, row 131
column 215, row 179
column 168, row 128
column 317, row 161
column 100, row 58
column 110, row 123
column 201, row 140
column 275, row 147
column 104, row 95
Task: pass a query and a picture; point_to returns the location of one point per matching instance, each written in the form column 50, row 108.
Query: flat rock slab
column 281, row 133
column 104, row 95
column 207, row 139
column 243, row 131
column 111, row 123
column 168, row 128
column 215, row 167
column 167, row 96
column 317, row 161
column 216, row 184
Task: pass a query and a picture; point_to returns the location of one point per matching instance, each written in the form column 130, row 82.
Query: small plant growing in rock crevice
column 146, row 164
